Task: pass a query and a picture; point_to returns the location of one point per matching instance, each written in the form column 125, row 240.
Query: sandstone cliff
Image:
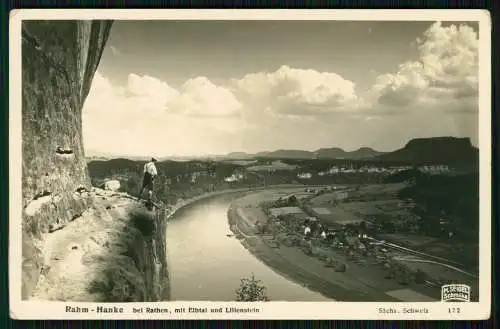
column 436, row 150
column 72, row 237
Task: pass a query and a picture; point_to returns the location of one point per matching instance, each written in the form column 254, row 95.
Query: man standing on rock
column 150, row 173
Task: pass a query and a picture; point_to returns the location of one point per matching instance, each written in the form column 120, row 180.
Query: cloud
column 149, row 116
column 445, row 76
column 298, row 91
column 115, row 51
column 200, row 97
column 196, row 97
column 292, row 107
column 149, row 93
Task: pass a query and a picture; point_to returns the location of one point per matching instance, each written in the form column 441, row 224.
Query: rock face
column 437, row 150
column 59, row 60
column 112, row 253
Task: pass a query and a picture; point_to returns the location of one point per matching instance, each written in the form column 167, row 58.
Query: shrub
column 341, row 267
column 251, row 290
column 420, row 276
column 143, row 221
column 132, row 185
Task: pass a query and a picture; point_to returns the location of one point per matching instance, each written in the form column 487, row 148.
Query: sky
column 191, row 88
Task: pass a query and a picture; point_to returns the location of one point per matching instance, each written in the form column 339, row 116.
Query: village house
column 236, row 176
column 435, row 169
column 230, row 179
column 304, row 175
column 194, row 177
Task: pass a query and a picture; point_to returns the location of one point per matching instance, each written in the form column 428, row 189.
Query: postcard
column 250, row 164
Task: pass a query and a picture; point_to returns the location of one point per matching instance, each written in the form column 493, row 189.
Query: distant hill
column 288, row 154
column 261, row 154
column 338, row 153
column 436, row 150
column 364, row 153
column 329, row 153
column 238, row 155
column 96, row 158
column 323, row 153
column 114, row 163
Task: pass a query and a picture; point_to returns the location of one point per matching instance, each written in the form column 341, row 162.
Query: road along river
column 206, row 262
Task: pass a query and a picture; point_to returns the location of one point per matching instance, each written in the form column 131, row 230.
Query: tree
column 420, row 276
column 251, row 290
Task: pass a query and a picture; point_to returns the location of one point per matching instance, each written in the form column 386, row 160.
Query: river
column 207, row 265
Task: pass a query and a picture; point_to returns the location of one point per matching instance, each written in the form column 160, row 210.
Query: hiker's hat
column 154, row 160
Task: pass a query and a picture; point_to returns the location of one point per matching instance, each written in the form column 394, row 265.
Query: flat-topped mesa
column 436, row 142
column 436, row 150
column 446, row 150
column 59, row 60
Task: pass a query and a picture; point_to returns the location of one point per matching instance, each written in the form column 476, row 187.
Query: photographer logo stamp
column 455, row 293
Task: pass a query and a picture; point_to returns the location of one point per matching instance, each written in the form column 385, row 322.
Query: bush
column 341, row 267
column 420, row 276
column 143, row 221
column 251, row 290
column 131, row 185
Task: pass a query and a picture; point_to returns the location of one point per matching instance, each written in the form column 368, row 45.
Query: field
column 285, row 211
column 336, row 208
column 363, row 208
column 328, row 197
column 275, row 165
column 266, row 195
column 364, row 280
column 336, row 216
column 240, row 162
column 300, row 195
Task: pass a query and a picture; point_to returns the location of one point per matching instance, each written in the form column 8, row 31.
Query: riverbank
column 361, row 280
column 172, row 210
column 355, row 280
column 291, row 262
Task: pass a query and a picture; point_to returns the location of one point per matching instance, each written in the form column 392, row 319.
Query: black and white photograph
column 245, row 162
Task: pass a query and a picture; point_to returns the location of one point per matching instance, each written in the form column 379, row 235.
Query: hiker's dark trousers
column 147, row 182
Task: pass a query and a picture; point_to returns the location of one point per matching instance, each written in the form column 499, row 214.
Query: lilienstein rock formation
column 80, row 243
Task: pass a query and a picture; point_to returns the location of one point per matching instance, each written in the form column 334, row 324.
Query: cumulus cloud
column 148, row 116
column 292, row 107
column 299, row 91
column 149, row 93
column 196, row 97
column 445, row 76
column 115, row 51
column 200, row 97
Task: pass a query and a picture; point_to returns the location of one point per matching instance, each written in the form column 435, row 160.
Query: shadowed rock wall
column 59, row 59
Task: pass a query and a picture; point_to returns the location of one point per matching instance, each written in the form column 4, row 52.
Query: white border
column 271, row 310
